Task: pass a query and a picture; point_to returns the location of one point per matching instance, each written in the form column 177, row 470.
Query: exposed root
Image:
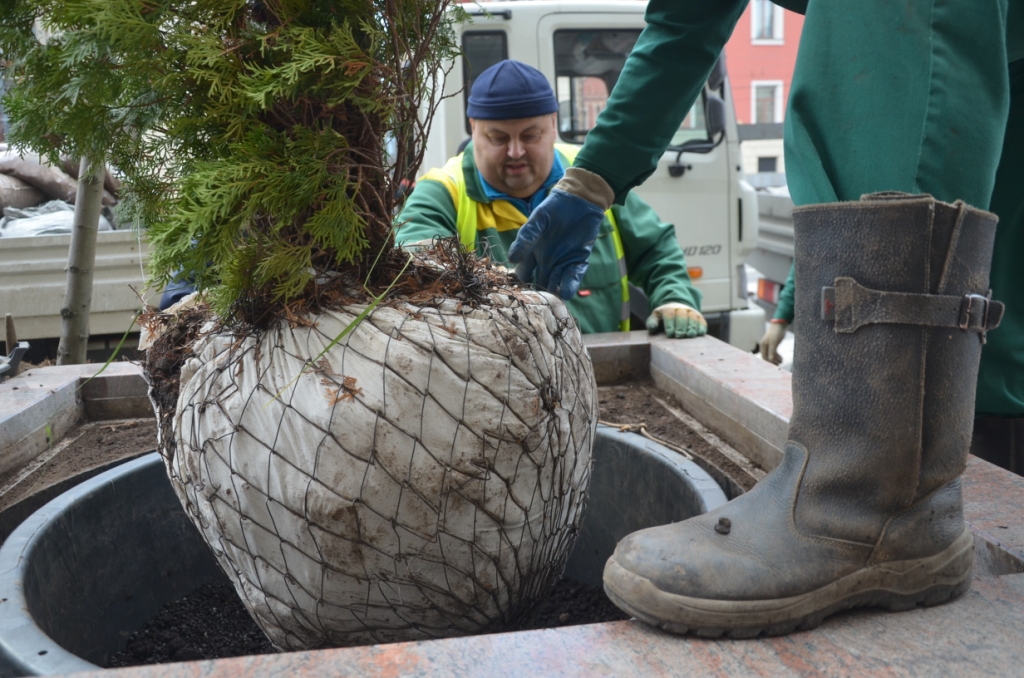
column 175, row 335
column 447, row 270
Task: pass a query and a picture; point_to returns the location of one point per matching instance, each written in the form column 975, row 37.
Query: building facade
column 760, row 56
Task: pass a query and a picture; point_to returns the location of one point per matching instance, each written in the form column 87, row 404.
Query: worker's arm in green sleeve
column 428, row 212
column 662, row 78
column 654, row 260
column 784, row 309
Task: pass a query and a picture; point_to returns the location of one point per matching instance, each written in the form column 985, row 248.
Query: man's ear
column 554, row 121
column 472, row 125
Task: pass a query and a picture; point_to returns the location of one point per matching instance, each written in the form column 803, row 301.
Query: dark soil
column 637, row 403
column 175, row 337
column 571, row 603
column 85, row 447
column 209, row 623
column 212, row 623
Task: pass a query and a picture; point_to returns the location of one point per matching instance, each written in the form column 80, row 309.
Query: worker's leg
column 865, row 508
column 897, row 96
column 942, row 139
column 999, row 429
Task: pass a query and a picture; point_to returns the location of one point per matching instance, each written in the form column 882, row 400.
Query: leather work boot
column 865, row 509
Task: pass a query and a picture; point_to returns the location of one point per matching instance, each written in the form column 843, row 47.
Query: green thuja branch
column 261, row 142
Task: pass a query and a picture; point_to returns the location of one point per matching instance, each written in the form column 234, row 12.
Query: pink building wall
column 767, row 61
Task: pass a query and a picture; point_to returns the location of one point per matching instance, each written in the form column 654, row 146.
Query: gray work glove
column 679, row 320
column 769, row 344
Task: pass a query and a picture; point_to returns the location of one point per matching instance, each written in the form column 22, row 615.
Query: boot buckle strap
column 974, row 312
column 850, row 306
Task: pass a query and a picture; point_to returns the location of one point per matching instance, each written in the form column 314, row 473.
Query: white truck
column 581, row 47
column 773, row 256
column 33, row 279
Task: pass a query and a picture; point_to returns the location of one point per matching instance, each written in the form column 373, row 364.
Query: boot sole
column 895, row 586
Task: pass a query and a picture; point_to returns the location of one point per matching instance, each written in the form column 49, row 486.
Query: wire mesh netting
column 425, row 478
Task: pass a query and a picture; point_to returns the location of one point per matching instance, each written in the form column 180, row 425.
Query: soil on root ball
column 175, row 336
column 212, row 623
column 428, row 277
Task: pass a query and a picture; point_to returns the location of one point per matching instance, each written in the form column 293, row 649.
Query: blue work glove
column 175, row 292
column 552, row 248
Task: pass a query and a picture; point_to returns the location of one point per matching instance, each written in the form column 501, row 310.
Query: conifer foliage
column 261, row 141
column 411, row 468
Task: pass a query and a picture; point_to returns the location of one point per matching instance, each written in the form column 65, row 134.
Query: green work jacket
column 910, row 96
column 853, row 56
column 647, row 247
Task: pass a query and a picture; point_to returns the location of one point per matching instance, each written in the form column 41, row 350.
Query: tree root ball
column 423, row 477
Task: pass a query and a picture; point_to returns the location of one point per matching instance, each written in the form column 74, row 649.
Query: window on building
column 768, row 164
column 765, row 22
column 587, row 66
column 480, row 51
column 766, row 102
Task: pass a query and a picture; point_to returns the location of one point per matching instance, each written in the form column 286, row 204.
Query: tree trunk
column 74, row 331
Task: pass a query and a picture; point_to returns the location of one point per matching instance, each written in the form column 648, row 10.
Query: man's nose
column 516, row 148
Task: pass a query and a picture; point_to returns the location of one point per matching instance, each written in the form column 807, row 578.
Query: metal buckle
column 967, row 313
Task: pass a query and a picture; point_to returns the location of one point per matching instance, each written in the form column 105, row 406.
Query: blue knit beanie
column 509, row 90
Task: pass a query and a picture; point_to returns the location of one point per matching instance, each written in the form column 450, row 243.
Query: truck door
column 583, row 53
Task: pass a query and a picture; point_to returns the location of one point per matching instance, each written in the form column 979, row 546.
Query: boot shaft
column 889, row 341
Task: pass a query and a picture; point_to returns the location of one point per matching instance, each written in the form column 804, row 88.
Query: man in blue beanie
column 487, row 192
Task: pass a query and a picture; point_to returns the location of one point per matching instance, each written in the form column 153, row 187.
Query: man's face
column 515, row 156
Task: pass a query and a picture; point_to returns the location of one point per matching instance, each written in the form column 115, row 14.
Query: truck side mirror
column 714, row 112
column 717, row 76
column 714, row 115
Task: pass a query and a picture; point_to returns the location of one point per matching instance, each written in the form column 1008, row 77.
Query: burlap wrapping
column 51, row 181
column 17, row 193
column 426, row 478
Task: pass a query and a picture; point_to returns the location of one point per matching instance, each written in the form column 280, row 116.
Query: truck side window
column 587, row 66
column 480, row 51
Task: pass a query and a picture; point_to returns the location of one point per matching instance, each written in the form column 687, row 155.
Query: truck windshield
column 480, row 51
column 587, row 66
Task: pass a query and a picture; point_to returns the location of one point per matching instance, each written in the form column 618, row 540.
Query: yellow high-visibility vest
column 472, row 217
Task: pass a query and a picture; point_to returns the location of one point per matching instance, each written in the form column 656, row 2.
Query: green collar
column 474, row 189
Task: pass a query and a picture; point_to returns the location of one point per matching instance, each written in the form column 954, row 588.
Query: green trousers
column 915, row 96
column 1001, row 375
